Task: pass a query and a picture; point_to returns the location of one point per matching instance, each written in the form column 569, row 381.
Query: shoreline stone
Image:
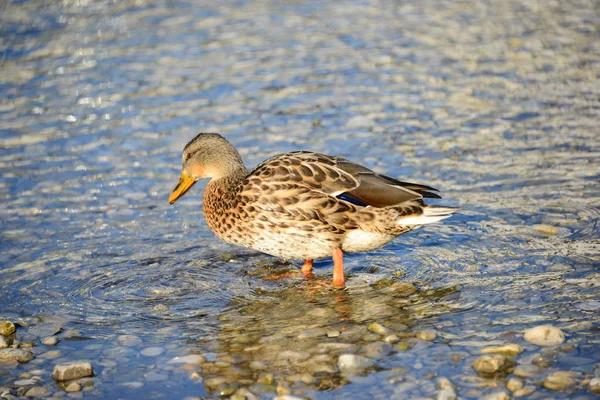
column 72, row 370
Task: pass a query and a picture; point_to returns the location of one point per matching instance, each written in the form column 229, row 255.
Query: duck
column 302, row 205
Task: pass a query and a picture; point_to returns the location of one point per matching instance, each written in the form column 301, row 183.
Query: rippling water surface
column 496, row 103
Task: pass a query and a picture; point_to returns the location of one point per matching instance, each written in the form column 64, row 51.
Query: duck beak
column 184, row 184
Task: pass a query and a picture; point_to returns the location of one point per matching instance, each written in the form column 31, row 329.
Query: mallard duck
column 302, row 205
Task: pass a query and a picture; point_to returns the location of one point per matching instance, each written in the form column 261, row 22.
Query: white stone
column 544, row 335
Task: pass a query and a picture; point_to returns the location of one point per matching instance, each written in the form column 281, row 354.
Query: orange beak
column 184, row 184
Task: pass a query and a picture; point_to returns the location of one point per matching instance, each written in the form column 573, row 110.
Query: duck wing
column 338, row 177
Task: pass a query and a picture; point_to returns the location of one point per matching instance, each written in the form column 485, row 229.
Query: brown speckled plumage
column 302, row 205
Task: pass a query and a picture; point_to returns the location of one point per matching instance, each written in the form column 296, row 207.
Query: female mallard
column 302, row 205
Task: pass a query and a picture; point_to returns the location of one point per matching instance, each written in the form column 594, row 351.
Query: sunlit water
column 495, row 103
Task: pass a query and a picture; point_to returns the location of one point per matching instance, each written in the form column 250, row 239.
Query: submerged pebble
column 349, row 363
column 491, row 364
column 509, row 350
column 50, row 341
column 559, row 380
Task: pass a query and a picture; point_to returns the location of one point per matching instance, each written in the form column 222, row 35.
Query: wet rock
column 50, row 355
column 5, row 342
column 191, row 359
column 391, row 339
column 152, row 351
column 491, row 364
column 349, row 363
column 497, row 396
column 45, row 328
column 333, row 333
column 19, row 355
column 72, row 333
column 559, row 380
column 594, row 385
column 546, row 230
column 25, row 382
column 73, row 387
column 514, row 384
column 526, row 391
column 37, row 391
column 155, row 377
column 129, row 340
column 427, row 334
column 312, row 333
column 447, row 389
column 7, row 328
column 131, row 385
column 508, row 350
column 544, row 335
column 378, row 328
column 72, row 370
column 50, row 341
column 526, row 371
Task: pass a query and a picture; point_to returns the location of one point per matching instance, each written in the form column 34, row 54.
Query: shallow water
column 495, row 103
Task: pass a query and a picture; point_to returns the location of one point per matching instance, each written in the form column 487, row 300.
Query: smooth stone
column 25, row 382
column 7, row 328
column 50, row 341
column 378, row 328
column 391, row 339
column 497, row 396
column 155, row 377
column 37, row 391
column 333, row 334
column 5, row 342
column 490, row 364
column 446, row 394
column 594, row 385
column 190, row 359
column 71, row 333
column 312, row 333
column 526, row 391
column 508, row 350
column 152, row 351
column 131, row 385
column 427, row 334
column 45, row 328
column 352, row 362
column 545, row 230
column 559, row 381
column 544, row 335
column 293, row 355
column 86, row 382
column 73, row 387
column 514, row 384
column 444, row 383
column 129, row 340
column 16, row 354
column 72, row 370
column 526, row 371
column 50, row 355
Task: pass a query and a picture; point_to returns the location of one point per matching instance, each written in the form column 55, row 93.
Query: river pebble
column 190, row 359
column 349, row 363
column 594, row 385
column 16, row 354
column 491, row 364
column 152, row 351
column 514, row 384
column 50, row 341
column 7, row 328
column 37, row 391
column 5, row 342
column 559, row 380
column 525, row 391
column 544, row 335
column 427, row 334
column 497, row 396
column 378, row 328
column 508, row 350
column 73, row 387
column 129, row 340
column 312, row 333
column 72, row 370
column 447, row 389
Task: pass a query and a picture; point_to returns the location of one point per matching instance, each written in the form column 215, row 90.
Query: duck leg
column 307, row 268
column 338, row 268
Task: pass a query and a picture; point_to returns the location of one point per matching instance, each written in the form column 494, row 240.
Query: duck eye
column 188, row 156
